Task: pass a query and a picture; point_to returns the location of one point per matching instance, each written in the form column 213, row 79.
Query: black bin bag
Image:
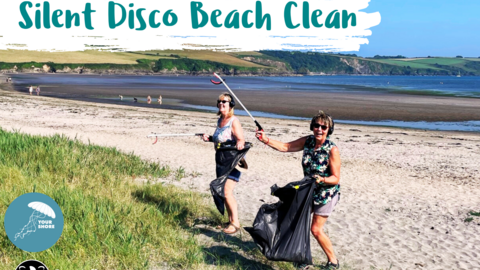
column 226, row 157
column 282, row 229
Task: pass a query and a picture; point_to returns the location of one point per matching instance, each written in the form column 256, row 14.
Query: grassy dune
column 110, row 222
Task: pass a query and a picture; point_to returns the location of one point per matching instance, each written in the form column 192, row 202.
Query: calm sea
column 424, row 85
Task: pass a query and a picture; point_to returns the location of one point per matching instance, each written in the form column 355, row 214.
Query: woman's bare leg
column 231, row 204
column 322, row 238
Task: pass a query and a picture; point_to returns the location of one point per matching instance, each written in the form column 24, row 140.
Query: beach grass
column 110, row 221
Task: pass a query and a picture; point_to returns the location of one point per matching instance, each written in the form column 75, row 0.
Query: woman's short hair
column 325, row 118
column 229, row 97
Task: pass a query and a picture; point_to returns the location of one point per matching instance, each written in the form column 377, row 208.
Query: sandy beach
column 405, row 193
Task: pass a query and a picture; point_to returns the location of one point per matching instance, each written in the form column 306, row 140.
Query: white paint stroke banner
column 58, row 25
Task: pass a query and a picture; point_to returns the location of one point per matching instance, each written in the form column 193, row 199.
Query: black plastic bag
column 226, row 157
column 282, row 230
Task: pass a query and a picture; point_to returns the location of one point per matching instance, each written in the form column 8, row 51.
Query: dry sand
column 405, row 193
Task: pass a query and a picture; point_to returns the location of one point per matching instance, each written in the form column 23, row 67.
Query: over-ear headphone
column 331, row 127
column 232, row 101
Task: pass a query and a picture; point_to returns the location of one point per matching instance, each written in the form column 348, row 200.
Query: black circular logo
column 31, row 265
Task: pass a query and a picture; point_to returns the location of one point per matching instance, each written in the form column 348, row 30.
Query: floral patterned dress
column 315, row 162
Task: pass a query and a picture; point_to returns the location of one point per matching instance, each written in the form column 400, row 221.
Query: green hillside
column 312, row 62
column 196, row 62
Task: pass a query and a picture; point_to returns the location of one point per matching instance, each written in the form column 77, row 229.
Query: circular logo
column 33, row 222
column 31, row 264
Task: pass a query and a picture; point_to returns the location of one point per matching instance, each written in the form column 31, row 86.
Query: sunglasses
column 317, row 125
column 222, row 101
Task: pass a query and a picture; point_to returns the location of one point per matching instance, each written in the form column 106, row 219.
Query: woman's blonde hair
column 229, row 97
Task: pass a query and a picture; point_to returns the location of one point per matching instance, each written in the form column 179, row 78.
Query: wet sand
column 405, row 193
column 352, row 105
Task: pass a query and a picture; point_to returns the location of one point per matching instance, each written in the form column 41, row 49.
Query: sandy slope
column 405, row 193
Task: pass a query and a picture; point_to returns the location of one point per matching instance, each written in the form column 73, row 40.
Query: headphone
column 331, row 127
column 232, row 101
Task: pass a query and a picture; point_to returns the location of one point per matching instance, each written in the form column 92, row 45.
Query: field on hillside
column 81, row 57
column 104, row 57
column 442, row 61
column 403, row 63
column 429, row 62
column 220, row 57
column 297, row 61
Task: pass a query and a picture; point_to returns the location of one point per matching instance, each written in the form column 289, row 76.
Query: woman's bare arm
column 238, row 133
column 293, row 146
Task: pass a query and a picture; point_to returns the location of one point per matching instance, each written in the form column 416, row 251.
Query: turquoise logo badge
column 33, row 222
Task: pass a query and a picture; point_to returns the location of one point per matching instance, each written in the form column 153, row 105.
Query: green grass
column 111, row 222
column 441, row 61
column 403, row 63
column 214, row 56
column 141, row 64
column 194, row 66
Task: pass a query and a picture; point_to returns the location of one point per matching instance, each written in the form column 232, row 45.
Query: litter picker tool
column 156, row 136
column 236, row 98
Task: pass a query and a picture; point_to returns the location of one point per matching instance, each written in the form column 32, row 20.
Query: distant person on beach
column 30, row 90
column 121, row 97
column 135, row 99
column 38, row 90
column 321, row 160
column 229, row 129
column 149, row 100
column 160, row 100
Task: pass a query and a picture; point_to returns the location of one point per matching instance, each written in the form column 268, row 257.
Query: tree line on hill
column 292, row 62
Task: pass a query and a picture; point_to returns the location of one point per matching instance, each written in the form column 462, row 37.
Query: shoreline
column 405, row 193
column 209, row 74
column 348, row 103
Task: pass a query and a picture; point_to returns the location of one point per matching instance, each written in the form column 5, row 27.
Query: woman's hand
column 240, row 145
column 261, row 135
column 319, row 179
column 205, row 137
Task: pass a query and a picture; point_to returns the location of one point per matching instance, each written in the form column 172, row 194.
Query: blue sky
column 425, row 27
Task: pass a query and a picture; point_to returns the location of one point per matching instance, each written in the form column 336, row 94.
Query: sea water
column 425, row 85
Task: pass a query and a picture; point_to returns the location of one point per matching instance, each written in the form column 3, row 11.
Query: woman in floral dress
column 321, row 160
